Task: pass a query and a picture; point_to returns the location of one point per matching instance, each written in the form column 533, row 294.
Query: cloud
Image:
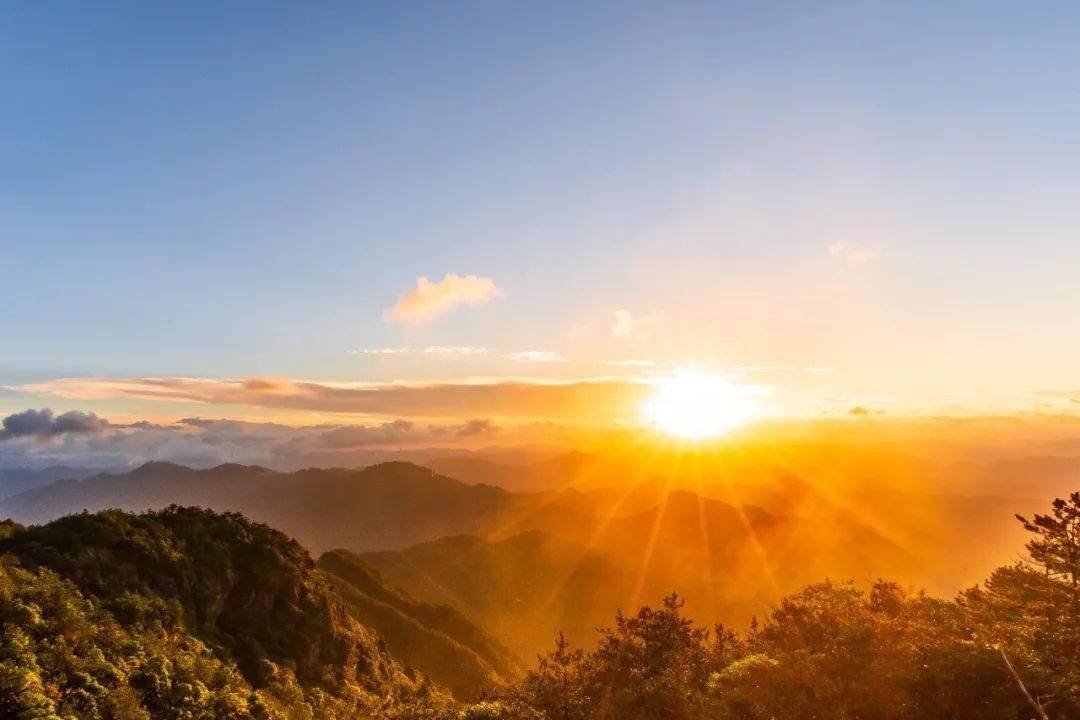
column 43, row 424
column 855, row 257
column 205, row 442
column 626, row 363
column 537, row 356
column 264, row 385
column 430, row 350
column 360, row 436
column 430, row 300
column 477, row 427
column 594, row 400
column 627, row 326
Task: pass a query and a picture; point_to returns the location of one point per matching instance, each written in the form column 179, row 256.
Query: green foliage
column 435, row 639
column 183, row 614
column 1031, row 611
column 188, row 614
column 839, row 651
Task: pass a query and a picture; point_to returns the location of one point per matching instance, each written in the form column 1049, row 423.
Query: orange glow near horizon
column 695, row 407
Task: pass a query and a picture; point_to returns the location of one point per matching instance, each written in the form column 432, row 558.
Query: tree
column 1056, row 549
column 1030, row 612
column 556, row 688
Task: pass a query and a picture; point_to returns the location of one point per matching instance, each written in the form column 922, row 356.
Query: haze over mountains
column 608, row 532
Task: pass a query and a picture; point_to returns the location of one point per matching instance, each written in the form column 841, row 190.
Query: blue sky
column 242, row 190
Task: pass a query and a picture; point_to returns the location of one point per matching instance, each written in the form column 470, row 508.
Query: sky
column 310, row 213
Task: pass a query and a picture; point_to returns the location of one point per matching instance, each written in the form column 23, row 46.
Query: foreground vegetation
column 1006, row 650
column 189, row 614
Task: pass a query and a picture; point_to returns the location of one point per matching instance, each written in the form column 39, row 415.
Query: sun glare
column 694, row 407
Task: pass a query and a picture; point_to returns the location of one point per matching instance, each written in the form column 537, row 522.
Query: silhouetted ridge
column 383, row 506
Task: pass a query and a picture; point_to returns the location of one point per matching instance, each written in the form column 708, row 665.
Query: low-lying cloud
column 43, row 424
column 40, row 438
column 593, row 401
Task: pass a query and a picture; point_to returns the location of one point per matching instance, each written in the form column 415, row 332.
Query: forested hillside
column 188, row 613
column 1004, row 650
column 436, row 639
column 182, row 613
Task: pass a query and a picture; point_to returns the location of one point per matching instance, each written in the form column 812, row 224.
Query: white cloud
column 538, row 356
column 432, row 299
column 628, row 326
column 855, row 257
column 626, row 363
column 430, row 350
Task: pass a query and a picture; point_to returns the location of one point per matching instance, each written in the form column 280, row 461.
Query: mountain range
column 521, row 566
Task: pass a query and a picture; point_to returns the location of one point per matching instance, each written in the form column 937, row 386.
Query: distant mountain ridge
column 15, row 480
column 446, row 542
column 388, row 505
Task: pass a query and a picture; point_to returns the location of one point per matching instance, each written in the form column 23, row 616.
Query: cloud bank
column 432, row 299
column 43, row 424
column 591, row 400
column 38, row 438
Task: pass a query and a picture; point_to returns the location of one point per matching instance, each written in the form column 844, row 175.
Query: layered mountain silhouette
column 525, row 588
column 523, row 565
column 382, row 506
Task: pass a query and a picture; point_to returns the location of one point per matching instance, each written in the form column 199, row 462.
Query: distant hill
column 436, row 639
column 17, row 480
column 476, row 470
column 732, row 546
column 181, row 613
column 563, row 565
column 558, row 472
column 524, row 589
column 383, row 506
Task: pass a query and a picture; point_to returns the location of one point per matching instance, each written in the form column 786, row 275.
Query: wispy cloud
column 853, row 256
column 430, row 350
column 537, row 356
column 595, row 400
column 432, row 299
column 626, row 363
column 628, row 326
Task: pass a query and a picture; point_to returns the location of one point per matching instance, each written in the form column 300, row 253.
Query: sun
column 695, row 407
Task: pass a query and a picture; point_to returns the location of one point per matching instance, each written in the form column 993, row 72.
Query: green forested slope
column 436, row 639
column 182, row 613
